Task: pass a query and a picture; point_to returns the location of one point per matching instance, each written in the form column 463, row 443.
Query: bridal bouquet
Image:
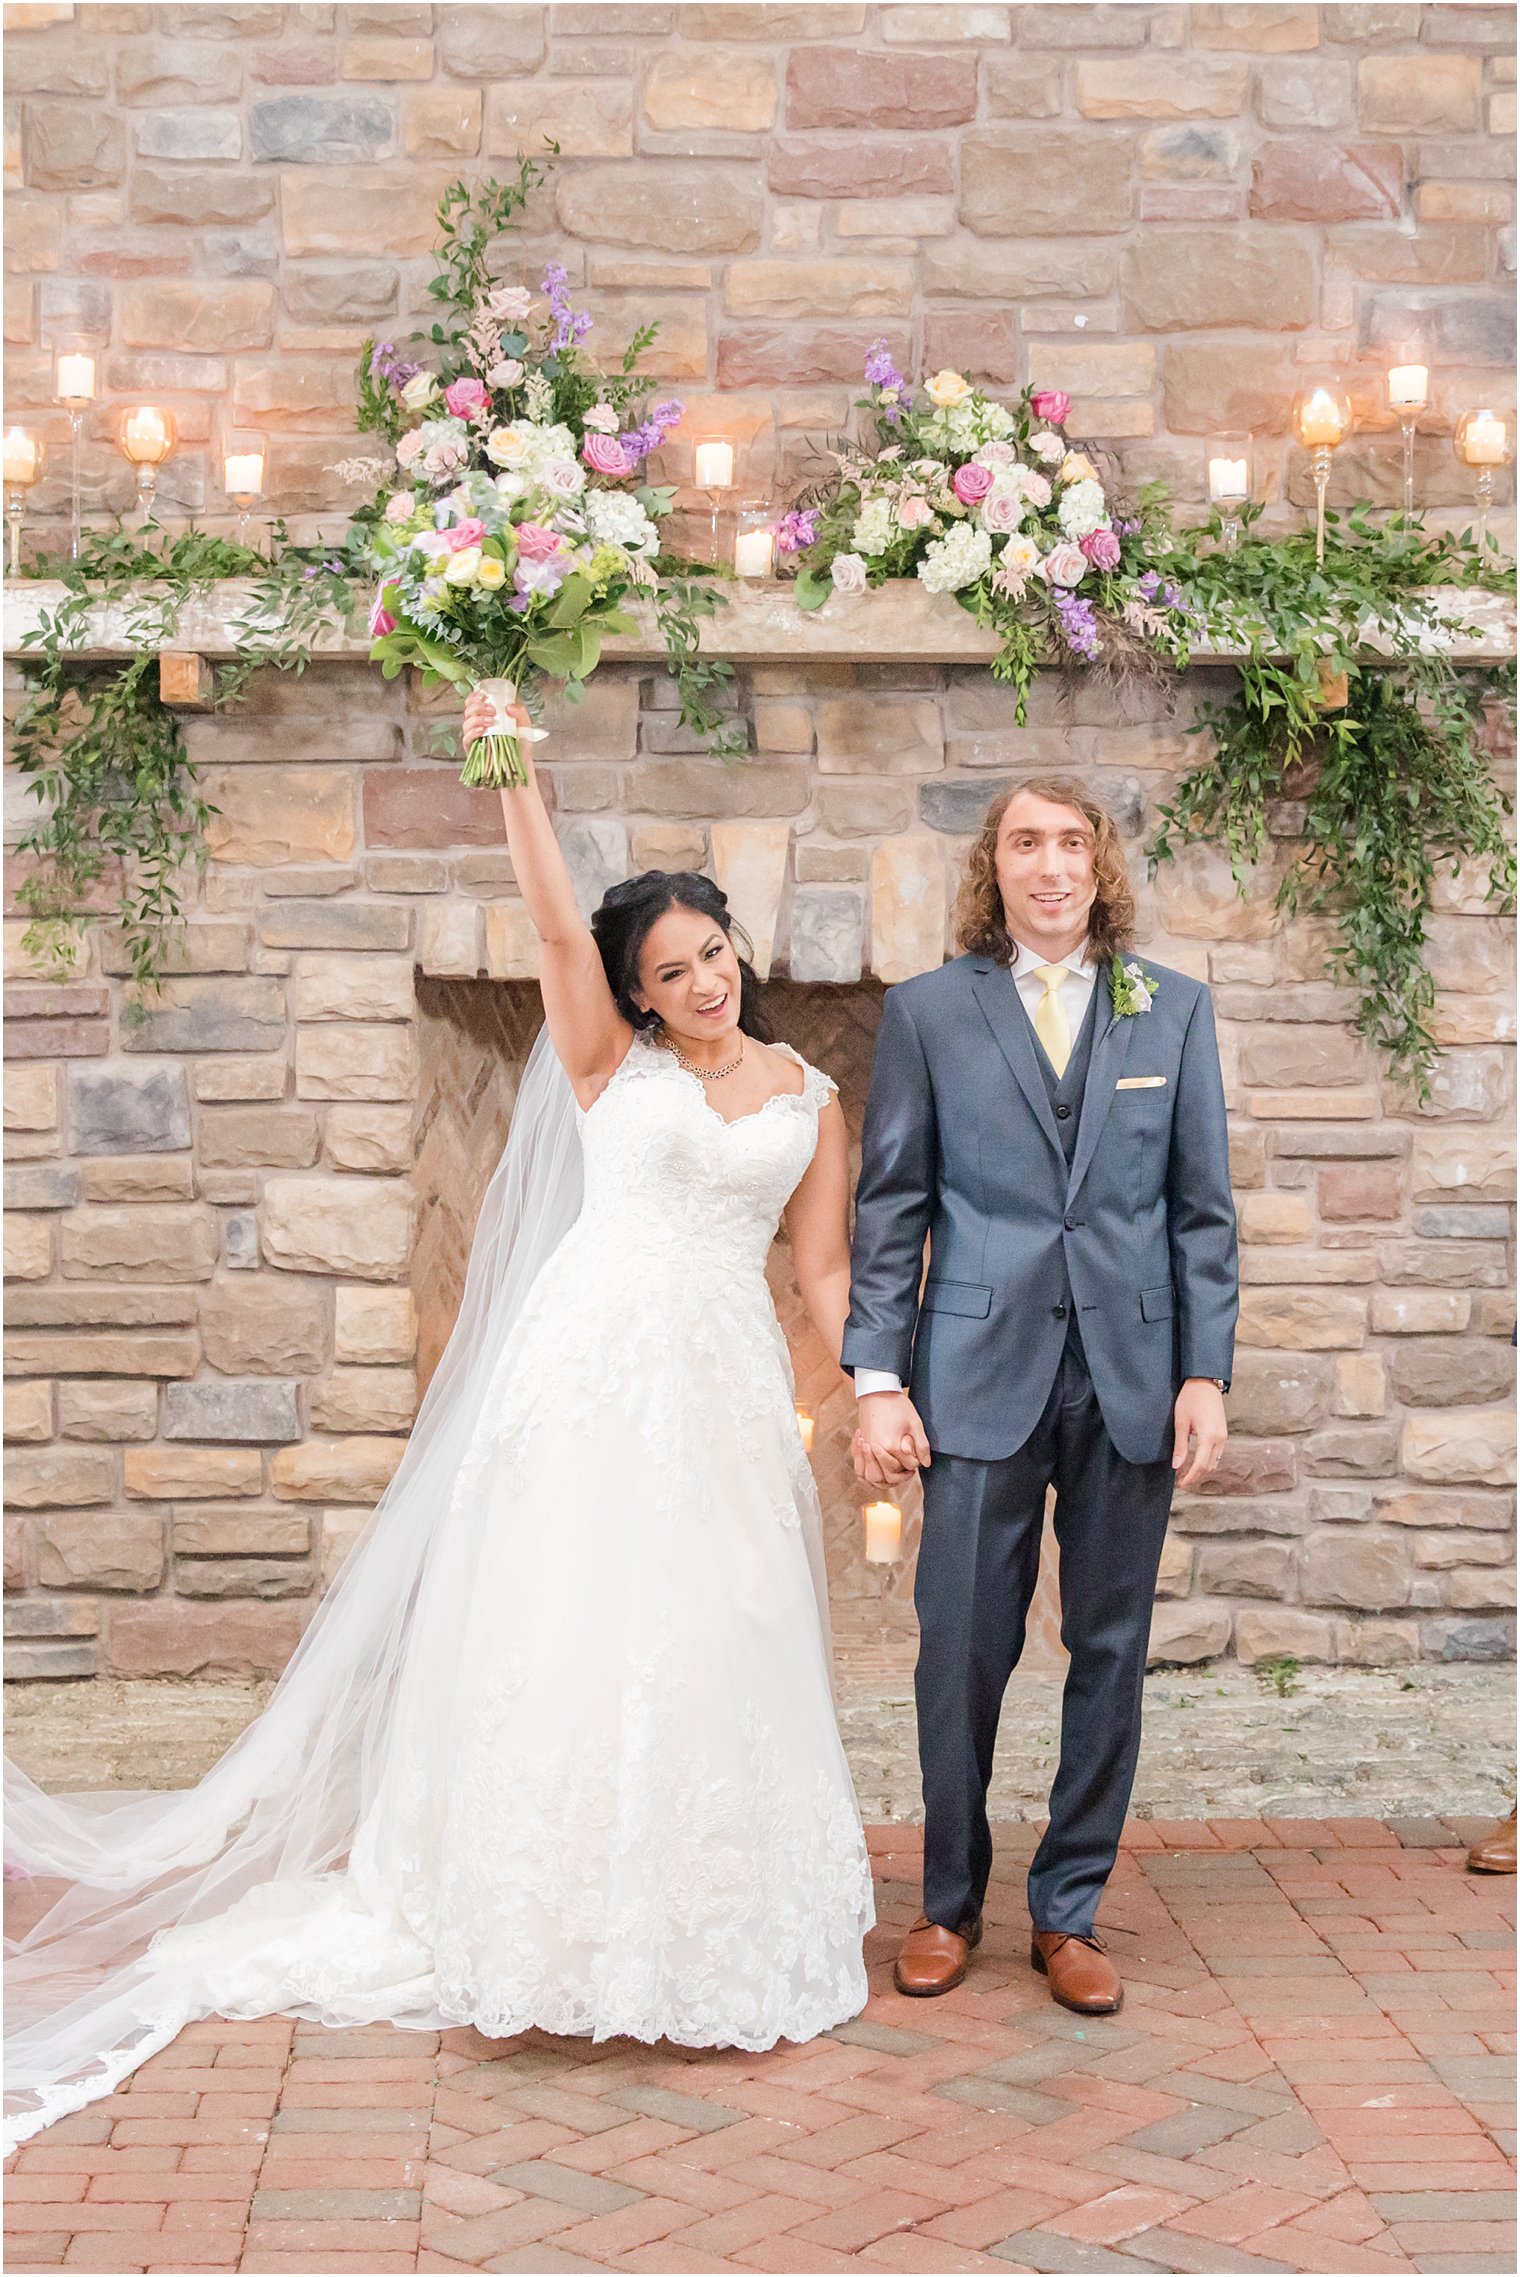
column 517, row 522
column 993, row 504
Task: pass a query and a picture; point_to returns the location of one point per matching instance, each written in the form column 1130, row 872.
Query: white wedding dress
column 607, row 1795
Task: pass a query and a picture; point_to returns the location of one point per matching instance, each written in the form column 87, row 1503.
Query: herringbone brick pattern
column 1310, row 2073
column 474, row 1036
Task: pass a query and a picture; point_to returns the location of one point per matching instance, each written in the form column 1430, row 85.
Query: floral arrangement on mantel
column 991, row 503
column 994, row 505
column 510, row 524
column 515, row 520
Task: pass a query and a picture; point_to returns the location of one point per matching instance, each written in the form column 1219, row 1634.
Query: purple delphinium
column 882, row 373
column 385, row 364
column 651, row 432
column 796, row 530
column 570, row 325
column 1077, row 624
column 1124, row 528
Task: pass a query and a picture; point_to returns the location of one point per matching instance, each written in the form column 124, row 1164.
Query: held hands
column 1201, row 1432
column 889, row 1442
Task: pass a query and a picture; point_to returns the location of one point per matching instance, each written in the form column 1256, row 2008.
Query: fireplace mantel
column 899, row 621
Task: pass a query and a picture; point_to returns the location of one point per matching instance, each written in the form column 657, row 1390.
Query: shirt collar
column 1079, row 961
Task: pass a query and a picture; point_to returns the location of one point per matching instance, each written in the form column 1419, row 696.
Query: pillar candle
column 883, row 1533
column 76, row 379
column 1408, row 387
column 752, row 552
column 715, row 466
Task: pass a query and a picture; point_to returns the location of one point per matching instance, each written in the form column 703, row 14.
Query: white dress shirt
column 1076, row 994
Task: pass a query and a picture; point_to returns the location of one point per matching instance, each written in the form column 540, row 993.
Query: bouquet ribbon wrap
column 496, row 760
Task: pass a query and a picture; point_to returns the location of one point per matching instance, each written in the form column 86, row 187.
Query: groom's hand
column 1201, row 1431
column 889, row 1441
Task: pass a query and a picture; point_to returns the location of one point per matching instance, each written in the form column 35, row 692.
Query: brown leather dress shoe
column 933, row 1959
column 1081, row 1974
column 1495, row 1854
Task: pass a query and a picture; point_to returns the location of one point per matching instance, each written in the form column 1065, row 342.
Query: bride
column 558, row 1749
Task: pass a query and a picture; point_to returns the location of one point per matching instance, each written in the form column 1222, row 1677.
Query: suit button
column 1072, row 1224
column 1062, row 1114
column 1059, row 1311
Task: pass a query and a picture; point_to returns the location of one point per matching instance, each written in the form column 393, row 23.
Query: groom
column 1048, row 1111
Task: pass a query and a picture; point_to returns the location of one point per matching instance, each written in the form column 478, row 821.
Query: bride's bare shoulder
column 788, row 1067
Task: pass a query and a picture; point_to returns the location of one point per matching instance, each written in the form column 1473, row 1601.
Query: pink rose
column 535, row 543
column 971, row 483
column 604, row 454
column 1002, row 512
column 1064, row 565
column 465, row 397
column 1051, row 403
column 996, row 454
column 1102, row 549
column 466, row 533
column 380, row 619
column 914, row 514
column 411, row 444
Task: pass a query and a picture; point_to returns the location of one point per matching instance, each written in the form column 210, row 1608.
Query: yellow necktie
column 1050, row 1022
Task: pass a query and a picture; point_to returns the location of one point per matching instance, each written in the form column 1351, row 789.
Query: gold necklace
column 705, row 1074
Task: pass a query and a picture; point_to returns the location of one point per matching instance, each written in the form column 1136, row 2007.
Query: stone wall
column 220, row 1198
column 1169, row 211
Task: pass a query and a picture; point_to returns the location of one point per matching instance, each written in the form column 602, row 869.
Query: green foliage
column 1280, row 1675
column 104, row 758
column 1393, row 784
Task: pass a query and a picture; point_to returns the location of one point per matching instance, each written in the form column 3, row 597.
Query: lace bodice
column 663, row 1168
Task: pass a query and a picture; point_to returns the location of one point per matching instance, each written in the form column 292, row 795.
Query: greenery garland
column 1390, row 770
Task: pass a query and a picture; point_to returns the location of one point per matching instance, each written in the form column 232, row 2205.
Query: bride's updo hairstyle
column 625, row 917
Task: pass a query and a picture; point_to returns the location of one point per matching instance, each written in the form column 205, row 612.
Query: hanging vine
column 1393, row 781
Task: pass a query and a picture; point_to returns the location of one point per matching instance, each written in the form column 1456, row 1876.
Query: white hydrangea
column 956, row 560
column 997, row 422
column 1083, row 509
column 615, row 519
column 873, row 527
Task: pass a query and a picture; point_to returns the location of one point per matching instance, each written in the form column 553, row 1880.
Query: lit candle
column 883, row 1533
column 715, row 466
column 1408, row 387
column 1485, row 440
column 243, row 474
column 20, row 458
column 1229, row 481
column 76, row 379
column 805, row 1426
column 752, row 552
column 145, row 435
column 1320, row 421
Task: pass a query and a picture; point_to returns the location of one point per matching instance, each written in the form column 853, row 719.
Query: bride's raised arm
column 589, row 1034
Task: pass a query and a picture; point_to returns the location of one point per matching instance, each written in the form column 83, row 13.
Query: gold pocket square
column 1140, row 1082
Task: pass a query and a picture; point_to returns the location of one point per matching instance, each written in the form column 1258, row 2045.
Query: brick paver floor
column 1311, row 2072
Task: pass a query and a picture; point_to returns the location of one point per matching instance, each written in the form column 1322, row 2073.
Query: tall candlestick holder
column 24, row 458
column 145, row 435
column 1229, row 483
column 1408, row 394
column 713, row 467
column 74, row 386
column 1321, row 422
column 1484, row 443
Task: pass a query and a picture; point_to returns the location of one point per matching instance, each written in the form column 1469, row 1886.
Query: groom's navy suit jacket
column 1137, row 1233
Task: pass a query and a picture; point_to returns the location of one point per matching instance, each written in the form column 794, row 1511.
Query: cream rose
column 491, row 573
column 419, row 391
column 1078, row 467
column 1064, row 565
column 460, row 568
column 948, row 389
column 848, row 572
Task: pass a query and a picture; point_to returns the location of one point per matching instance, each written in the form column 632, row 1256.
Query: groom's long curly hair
column 980, row 926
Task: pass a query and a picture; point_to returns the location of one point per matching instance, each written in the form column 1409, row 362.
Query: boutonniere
column 1131, row 988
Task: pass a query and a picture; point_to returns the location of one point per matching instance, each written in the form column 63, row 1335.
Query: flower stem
column 495, row 762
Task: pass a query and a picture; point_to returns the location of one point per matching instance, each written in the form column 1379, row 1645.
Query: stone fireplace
column 239, row 1211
